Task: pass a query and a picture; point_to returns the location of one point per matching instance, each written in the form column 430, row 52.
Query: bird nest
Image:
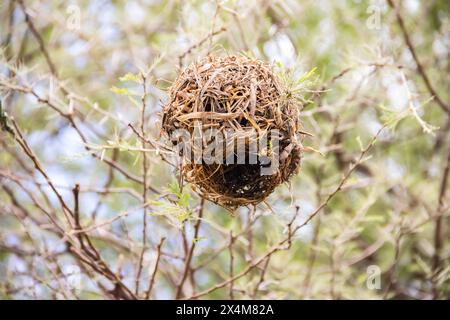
column 241, row 108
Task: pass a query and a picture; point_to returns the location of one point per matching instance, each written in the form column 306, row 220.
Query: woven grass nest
column 235, row 94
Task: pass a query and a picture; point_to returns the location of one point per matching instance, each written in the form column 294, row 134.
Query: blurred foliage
column 384, row 216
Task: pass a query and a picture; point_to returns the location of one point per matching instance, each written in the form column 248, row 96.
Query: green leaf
column 155, row 203
column 307, row 75
column 278, row 63
column 120, row 90
column 174, row 188
column 130, row 77
column 155, row 214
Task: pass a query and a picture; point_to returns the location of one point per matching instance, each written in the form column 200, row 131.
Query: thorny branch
column 445, row 107
column 54, row 219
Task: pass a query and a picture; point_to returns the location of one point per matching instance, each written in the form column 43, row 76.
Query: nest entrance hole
column 239, row 180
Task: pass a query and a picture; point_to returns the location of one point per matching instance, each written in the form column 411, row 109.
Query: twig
column 187, row 265
column 425, row 126
column 89, row 254
column 155, row 270
column 39, row 39
column 279, row 245
column 261, row 278
column 445, row 107
column 230, row 250
column 26, row 148
column 144, row 185
column 439, row 228
column 198, row 44
column 393, row 268
column 71, row 120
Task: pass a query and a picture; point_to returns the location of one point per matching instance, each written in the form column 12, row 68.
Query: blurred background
column 91, row 207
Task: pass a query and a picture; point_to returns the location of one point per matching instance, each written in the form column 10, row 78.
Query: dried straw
column 234, row 93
